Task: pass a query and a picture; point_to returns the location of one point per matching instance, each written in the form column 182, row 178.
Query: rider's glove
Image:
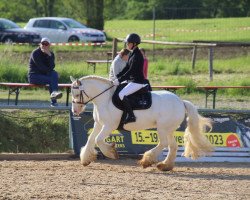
column 116, row 82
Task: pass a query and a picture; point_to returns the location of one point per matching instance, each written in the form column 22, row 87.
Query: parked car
column 10, row 32
column 60, row 30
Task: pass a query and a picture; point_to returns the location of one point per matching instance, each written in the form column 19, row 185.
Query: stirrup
column 129, row 119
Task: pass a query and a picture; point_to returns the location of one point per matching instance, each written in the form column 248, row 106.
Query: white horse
column 166, row 114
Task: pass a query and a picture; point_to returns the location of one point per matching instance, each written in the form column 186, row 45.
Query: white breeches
column 130, row 89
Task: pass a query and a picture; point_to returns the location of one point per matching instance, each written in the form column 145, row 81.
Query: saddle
column 139, row 100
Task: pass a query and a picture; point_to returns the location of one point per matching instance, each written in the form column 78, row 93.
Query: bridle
column 82, row 92
column 81, row 95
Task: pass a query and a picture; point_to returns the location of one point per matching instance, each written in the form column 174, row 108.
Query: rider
column 132, row 73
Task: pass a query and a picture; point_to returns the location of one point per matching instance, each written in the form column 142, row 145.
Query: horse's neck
column 94, row 88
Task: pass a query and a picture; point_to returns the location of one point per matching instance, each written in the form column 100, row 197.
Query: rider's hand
column 116, row 82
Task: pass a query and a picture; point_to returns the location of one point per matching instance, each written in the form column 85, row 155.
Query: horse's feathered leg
column 88, row 152
column 150, row 157
column 168, row 163
column 165, row 138
column 106, row 148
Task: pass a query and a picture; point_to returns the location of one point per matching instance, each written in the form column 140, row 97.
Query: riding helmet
column 133, row 38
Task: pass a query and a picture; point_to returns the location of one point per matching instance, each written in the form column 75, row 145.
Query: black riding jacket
column 134, row 69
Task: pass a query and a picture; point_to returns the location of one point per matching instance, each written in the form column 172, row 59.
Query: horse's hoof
column 85, row 163
column 114, row 154
column 164, row 167
column 144, row 164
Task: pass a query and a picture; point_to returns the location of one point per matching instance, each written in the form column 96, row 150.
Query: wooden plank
column 168, row 87
column 98, row 61
column 34, row 107
column 201, row 44
column 223, row 44
column 16, row 88
column 221, row 154
column 218, row 154
column 231, row 149
column 222, row 87
column 61, row 85
column 89, row 107
column 213, row 159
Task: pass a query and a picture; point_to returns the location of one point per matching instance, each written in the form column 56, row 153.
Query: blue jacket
column 41, row 63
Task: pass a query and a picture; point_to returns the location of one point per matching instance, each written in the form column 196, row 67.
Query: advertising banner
column 229, row 130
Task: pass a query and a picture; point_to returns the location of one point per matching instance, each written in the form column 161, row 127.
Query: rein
column 81, row 97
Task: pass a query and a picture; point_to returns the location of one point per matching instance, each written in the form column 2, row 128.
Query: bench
column 16, row 87
column 213, row 90
column 168, row 88
column 92, row 63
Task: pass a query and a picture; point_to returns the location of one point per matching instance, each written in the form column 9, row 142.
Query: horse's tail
column 195, row 142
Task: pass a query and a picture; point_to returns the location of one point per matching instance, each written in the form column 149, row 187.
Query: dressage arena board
column 230, row 137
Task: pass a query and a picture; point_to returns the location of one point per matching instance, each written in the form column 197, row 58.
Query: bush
column 33, row 131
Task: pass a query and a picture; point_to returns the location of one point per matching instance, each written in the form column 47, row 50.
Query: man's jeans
column 40, row 79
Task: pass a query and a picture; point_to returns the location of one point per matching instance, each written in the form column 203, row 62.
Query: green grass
column 185, row 30
column 221, row 29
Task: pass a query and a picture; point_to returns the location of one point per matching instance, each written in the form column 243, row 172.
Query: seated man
column 41, row 69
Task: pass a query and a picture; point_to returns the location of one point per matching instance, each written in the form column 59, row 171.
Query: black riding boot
column 130, row 117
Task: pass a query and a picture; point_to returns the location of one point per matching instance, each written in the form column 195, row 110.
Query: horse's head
column 79, row 96
column 89, row 88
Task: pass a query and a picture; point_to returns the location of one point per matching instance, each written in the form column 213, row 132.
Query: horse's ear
column 72, row 79
column 78, row 82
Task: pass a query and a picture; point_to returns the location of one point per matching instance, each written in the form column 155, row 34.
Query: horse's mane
column 96, row 78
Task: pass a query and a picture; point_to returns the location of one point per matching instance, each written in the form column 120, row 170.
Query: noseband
column 81, row 95
column 83, row 92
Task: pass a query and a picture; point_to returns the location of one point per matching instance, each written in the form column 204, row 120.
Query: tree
column 44, row 8
column 17, row 10
column 49, row 7
column 114, row 9
column 94, row 13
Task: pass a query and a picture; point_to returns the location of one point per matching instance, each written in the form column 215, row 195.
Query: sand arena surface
column 44, row 177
